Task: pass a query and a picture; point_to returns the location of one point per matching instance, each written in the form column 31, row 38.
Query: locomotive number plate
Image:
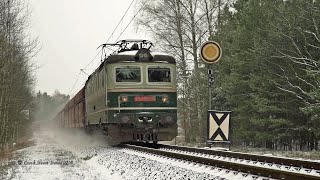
column 144, row 98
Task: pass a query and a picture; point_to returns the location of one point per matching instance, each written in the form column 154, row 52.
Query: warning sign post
column 218, row 127
column 218, row 121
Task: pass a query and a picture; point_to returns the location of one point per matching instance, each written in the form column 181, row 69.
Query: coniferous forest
column 268, row 75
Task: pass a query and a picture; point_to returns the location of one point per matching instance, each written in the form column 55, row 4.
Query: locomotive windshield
column 128, row 74
column 157, row 74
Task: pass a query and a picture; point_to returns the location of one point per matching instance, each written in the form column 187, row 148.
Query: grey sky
column 69, row 32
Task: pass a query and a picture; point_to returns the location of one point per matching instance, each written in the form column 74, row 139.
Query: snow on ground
column 182, row 168
column 48, row 160
column 75, row 155
column 78, row 156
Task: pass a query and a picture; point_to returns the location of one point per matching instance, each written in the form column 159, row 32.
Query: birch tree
column 180, row 27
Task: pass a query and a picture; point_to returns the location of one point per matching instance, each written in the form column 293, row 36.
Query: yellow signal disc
column 210, row 52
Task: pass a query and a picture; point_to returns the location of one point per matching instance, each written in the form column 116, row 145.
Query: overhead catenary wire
column 112, row 32
column 131, row 20
column 92, row 59
column 75, row 83
column 101, row 50
column 81, row 71
column 120, row 21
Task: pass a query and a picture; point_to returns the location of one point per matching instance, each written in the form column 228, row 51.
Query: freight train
column 131, row 96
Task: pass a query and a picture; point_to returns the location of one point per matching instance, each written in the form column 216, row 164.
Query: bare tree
column 16, row 80
column 180, row 27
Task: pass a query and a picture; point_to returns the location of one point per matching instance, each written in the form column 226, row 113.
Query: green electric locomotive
column 133, row 95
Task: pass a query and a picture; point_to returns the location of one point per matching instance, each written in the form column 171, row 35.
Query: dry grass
column 8, row 152
column 7, row 155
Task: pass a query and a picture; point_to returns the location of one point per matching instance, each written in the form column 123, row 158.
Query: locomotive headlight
column 124, row 98
column 143, row 56
column 165, row 99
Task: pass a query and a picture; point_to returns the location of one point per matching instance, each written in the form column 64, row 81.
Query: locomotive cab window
column 128, row 74
column 159, row 74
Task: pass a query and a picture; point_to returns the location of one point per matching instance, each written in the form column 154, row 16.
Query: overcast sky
column 69, row 32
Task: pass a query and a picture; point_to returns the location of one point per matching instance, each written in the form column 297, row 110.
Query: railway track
column 260, row 166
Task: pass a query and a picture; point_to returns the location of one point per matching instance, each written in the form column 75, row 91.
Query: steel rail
column 236, row 166
column 253, row 157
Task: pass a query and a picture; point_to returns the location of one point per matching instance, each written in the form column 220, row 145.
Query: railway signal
column 210, row 77
column 210, row 52
column 218, row 121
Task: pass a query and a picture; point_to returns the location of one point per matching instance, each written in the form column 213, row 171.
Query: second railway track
column 261, row 166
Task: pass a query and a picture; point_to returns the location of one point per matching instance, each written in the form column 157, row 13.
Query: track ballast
column 260, row 166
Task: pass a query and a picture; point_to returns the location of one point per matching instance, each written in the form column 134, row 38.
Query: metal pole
column 209, row 108
column 210, row 78
column 210, row 83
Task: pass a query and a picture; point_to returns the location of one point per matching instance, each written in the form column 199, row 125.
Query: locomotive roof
column 131, row 57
